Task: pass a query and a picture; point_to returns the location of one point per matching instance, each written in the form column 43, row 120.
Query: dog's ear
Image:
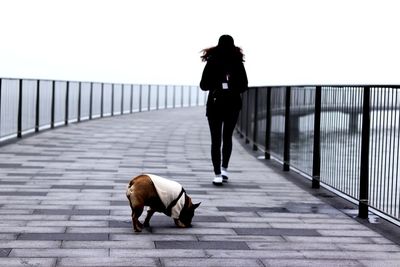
column 195, row 206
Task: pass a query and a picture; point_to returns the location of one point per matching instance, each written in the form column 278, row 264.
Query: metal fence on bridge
column 28, row 105
column 345, row 137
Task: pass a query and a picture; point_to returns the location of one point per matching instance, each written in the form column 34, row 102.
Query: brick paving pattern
column 63, row 203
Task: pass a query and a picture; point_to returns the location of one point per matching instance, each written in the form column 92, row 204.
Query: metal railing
column 28, row 106
column 345, row 137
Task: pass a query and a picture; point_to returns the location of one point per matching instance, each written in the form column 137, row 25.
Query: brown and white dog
column 161, row 195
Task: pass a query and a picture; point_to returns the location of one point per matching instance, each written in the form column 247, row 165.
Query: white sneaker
column 225, row 175
column 217, row 180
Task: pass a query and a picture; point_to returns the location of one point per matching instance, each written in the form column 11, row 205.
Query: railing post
column 102, row 101
column 112, row 100
column 37, row 119
column 1, row 82
column 317, row 140
column 53, row 103
column 247, row 117
column 91, row 101
column 122, row 98
column 140, row 98
column 268, row 125
column 190, row 96
column 19, row 122
column 241, row 114
column 158, row 95
column 364, row 166
column 197, row 96
column 255, row 122
column 166, row 96
column 182, row 96
column 79, row 101
column 66, row 104
column 149, row 98
column 286, row 151
column 131, row 101
column 173, row 97
column 240, row 123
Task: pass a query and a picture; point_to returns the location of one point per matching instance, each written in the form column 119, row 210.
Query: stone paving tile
column 70, row 212
column 118, row 203
column 292, row 246
column 255, row 254
column 253, row 209
column 368, row 247
column 67, row 223
column 8, row 236
column 98, row 230
column 90, row 170
column 23, row 262
column 351, row 232
column 247, row 238
column 230, row 185
column 108, row 261
column 326, row 239
column 23, row 193
column 32, row 230
column 159, row 253
column 206, row 262
column 43, row 174
column 11, row 183
column 58, row 253
column 126, row 244
column 29, row 244
column 67, row 199
column 234, row 245
column 10, row 165
column 146, row 237
column 4, row 252
column 355, row 255
column 64, row 236
column 193, row 231
column 380, row 263
column 18, row 174
column 311, row 263
column 51, row 161
column 276, row 231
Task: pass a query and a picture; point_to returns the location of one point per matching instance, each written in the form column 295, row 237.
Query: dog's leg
column 132, row 211
column 137, row 211
column 150, row 213
column 179, row 223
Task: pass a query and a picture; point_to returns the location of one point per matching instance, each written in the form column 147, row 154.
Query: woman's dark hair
column 225, row 49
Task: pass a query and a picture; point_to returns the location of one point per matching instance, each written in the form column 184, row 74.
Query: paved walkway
column 63, row 203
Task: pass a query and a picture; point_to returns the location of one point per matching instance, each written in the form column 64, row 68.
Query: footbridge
column 69, row 149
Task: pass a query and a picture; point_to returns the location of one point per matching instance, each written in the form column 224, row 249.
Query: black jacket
column 217, row 71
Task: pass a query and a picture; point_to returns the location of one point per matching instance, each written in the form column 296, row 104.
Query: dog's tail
column 131, row 183
column 129, row 188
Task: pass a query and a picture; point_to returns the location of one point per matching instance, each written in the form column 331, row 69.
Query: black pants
column 221, row 129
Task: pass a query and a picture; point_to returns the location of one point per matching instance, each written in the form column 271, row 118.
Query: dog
column 160, row 195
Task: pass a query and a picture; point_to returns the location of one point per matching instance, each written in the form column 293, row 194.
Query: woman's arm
column 209, row 80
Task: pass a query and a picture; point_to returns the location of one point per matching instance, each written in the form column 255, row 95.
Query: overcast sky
column 159, row 41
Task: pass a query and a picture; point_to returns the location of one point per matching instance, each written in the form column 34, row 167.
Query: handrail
column 31, row 105
column 346, row 137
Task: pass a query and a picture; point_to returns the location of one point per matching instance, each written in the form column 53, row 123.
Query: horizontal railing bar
column 95, row 82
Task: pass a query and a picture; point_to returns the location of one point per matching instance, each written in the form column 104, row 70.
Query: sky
column 285, row 42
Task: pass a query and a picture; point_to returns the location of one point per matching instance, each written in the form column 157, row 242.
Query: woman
column 225, row 78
